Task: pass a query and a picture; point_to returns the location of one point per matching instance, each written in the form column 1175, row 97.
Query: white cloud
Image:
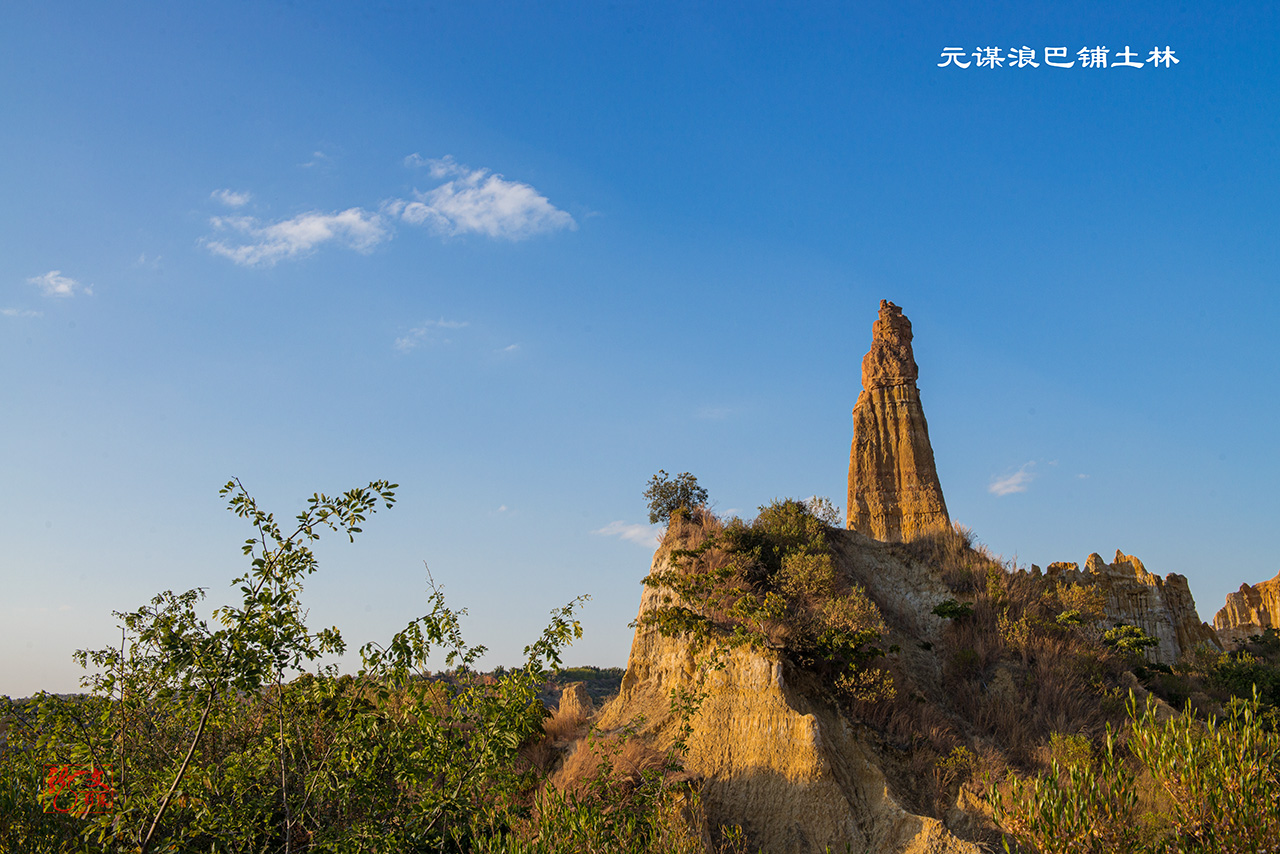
column 20, row 312
column 264, row 245
column 478, row 201
column 318, row 158
column 648, row 536
column 148, row 261
column 427, row 332
column 1016, row 482
column 510, row 348
column 54, row 284
column 231, row 198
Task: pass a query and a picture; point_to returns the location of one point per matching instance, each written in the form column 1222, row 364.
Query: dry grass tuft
column 563, row 726
column 620, row 758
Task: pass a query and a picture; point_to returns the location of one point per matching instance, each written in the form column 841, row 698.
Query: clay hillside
column 868, row 688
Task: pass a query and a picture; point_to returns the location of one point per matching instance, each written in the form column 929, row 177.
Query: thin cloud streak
column 264, row 245
column 54, row 284
column 231, row 198
column 649, row 536
column 1016, row 482
column 422, row 334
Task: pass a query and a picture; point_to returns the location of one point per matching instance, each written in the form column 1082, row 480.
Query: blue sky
column 518, row 258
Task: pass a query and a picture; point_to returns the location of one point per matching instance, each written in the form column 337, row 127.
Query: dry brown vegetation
column 998, row 686
column 1016, row 677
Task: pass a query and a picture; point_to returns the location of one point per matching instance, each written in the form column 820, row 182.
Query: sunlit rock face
column 1249, row 611
column 894, row 493
column 1161, row 607
column 773, row 750
column 575, row 702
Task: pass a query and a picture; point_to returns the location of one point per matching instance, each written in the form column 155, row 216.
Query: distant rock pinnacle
column 894, row 493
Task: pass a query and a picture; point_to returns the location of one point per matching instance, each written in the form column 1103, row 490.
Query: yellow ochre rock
column 1250, row 611
column 775, row 754
column 1163, row 608
column 894, row 493
column 575, row 702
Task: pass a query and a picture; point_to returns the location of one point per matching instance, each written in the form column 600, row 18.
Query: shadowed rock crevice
column 894, row 493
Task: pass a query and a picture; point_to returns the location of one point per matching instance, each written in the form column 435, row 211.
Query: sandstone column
column 894, row 493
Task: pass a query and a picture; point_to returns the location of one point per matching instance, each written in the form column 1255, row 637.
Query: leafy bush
column 950, row 609
column 1078, row 809
column 206, row 745
column 772, row 584
column 1128, row 640
column 1216, row 789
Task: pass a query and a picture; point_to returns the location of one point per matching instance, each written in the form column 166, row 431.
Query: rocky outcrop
column 1250, row 611
column 775, row 753
column 894, row 493
column 1163, row 608
column 575, row 702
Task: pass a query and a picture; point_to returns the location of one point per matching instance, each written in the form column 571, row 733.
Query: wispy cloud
column 1016, row 482
column 428, row 331
column 478, row 201
column 231, row 198
column 510, row 348
column 263, row 245
column 54, row 284
column 713, row 413
column 471, row 201
column 648, row 536
column 318, row 158
column 20, row 312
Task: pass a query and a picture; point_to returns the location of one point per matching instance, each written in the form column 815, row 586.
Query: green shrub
column 950, row 609
column 1129, row 640
column 772, row 584
column 208, row 747
column 1218, row 784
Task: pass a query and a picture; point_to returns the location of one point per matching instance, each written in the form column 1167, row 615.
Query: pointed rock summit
column 894, row 493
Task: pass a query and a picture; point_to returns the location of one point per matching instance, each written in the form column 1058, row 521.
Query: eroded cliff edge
column 776, row 753
column 1249, row 611
column 1161, row 607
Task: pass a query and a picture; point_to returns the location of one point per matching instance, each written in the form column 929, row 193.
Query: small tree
column 178, row 659
column 666, row 495
column 1129, row 640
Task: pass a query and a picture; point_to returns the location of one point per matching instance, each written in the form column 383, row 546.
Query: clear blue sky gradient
column 718, row 198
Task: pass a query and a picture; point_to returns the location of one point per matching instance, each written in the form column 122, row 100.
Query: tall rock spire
column 894, row 493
